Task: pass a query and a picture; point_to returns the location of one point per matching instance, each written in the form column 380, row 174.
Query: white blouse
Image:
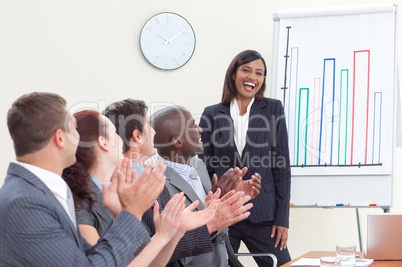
column 240, row 124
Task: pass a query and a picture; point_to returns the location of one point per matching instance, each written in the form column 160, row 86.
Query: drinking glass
column 330, row 262
column 346, row 255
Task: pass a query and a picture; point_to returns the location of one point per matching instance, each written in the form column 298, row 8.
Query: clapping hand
column 167, row 223
column 250, row 187
column 229, row 180
column 232, row 180
column 195, row 219
column 231, row 209
column 138, row 194
column 109, row 194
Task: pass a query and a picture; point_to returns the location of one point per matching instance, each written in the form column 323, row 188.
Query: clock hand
column 168, row 41
column 163, row 37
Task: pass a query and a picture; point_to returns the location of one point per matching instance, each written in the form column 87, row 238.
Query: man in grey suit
column 177, row 140
column 37, row 221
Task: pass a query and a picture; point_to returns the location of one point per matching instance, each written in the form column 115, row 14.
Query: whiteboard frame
column 353, row 190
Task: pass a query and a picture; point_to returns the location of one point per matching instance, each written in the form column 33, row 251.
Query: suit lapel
column 202, row 173
column 165, row 196
column 28, row 176
column 225, row 126
column 253, row 123
column 177, row 181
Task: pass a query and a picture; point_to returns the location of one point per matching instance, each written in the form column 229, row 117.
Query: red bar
column 353, row 105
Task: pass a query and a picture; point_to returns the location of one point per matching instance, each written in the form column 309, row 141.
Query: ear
column 176, row 141
column 59, row 138
column 137, row 136
column 102, row 143
column 234, row 76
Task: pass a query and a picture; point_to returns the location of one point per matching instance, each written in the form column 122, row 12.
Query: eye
column 245, row 69
column 260, row 74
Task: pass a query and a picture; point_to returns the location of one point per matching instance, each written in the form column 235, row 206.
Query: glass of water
column 329, row 262
column 346, row 255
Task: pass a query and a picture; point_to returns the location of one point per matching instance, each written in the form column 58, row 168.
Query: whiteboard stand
column 359, row 229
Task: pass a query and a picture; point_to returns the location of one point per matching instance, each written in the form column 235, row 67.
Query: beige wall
column 88, row 51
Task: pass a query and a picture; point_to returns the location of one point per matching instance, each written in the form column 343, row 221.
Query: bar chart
column 337, row 93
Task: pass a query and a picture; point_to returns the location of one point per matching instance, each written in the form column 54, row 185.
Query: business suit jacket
column 35, row 230
column 194, row 242
column 99, row 216
column 266, row 152
column 217, row 258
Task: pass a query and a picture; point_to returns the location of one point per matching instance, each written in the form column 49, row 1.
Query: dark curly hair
column 90, row 127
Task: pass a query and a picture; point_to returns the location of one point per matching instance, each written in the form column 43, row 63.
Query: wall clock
column 167, row 41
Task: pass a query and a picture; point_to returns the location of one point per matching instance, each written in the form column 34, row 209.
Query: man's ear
column 59, row 138
column 102, row 143
column 137, row 136
column 176, row 141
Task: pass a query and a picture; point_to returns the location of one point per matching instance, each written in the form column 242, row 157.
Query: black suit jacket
column 266, row 152
column 194, row 242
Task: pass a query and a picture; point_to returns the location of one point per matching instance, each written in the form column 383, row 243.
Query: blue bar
column 322, row 109
column 379, row 130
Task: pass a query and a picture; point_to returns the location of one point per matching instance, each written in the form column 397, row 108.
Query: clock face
column 167, row 41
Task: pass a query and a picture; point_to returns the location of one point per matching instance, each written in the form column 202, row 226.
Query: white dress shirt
column 240, row 124
column 55, row 183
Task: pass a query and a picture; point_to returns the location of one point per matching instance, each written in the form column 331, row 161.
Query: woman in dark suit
column 248, row 130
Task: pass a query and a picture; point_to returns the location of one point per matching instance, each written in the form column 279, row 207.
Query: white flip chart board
column 334, row 70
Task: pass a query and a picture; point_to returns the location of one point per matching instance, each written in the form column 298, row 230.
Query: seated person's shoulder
column 16, row 188
column 196, row 161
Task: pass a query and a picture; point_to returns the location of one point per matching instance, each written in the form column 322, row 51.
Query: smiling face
column 248, row 79
column 192, row 144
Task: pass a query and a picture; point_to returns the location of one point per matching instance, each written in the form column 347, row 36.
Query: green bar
column 305, row 147
column 298, row 128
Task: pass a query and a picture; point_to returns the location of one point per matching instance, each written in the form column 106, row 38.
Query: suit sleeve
column 206, row 123
column 281, row 168
column 37, row 236
column 193, row 242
